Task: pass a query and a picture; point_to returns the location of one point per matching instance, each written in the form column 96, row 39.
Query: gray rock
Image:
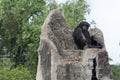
column 59, row 58
column 97, row 33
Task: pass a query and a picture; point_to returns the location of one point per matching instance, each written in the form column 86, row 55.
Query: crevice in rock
column 94, row 77
column 67, row 72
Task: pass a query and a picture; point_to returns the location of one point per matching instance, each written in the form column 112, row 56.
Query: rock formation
column 59, row 58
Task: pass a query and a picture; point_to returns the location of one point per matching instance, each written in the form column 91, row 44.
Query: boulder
column 60, row 59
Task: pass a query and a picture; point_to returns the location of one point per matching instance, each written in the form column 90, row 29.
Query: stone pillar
column 59, row 58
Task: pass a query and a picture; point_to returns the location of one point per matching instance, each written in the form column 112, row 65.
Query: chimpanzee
column 82, row 37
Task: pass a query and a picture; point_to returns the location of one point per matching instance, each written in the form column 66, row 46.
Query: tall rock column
column 59, row 58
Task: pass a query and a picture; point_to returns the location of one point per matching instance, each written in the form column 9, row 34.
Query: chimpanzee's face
column 84, row 25
column 84, row 28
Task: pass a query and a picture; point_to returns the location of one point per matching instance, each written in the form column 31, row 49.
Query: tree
column 74, row 11
column 20, row 22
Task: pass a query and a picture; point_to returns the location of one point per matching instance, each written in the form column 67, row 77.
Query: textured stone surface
column 59, row 58
column 97, row 33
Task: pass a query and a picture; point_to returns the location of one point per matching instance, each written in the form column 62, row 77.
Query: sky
column 106, row 14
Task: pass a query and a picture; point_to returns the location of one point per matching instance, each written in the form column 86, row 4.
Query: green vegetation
column 20, row 25
column 116, row 72
column 74, row 11
column 9, row 73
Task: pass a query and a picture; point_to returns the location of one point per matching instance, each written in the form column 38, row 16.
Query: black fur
column 82, row 37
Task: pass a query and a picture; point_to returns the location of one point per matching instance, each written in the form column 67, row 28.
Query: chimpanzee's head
column 84, row 25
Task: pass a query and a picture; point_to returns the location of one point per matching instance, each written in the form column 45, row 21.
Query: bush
column 18, row 73
column 116, row 71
